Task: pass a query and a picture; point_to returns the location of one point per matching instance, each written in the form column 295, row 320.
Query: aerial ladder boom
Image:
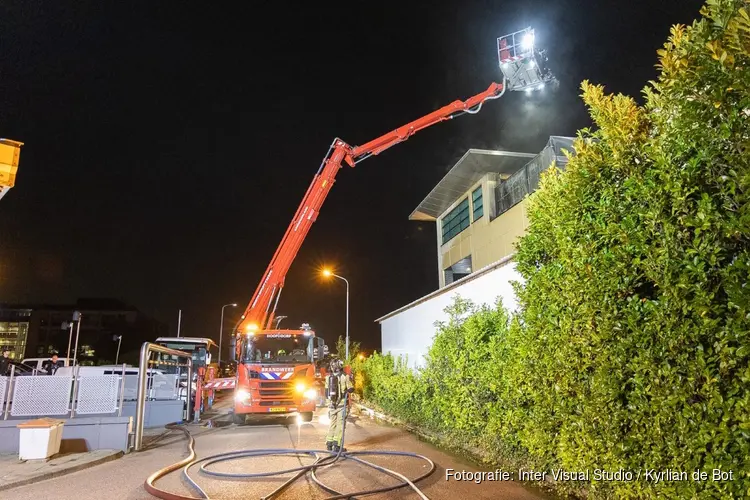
column 259, row 312
column 518, row 61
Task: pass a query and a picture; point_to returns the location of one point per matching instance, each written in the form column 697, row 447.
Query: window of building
column 477, row 205
column 459, row 270
column 456, row 221
column 13, row 337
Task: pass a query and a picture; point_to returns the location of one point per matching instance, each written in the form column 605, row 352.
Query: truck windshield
column 198, row 352
column 277, row 348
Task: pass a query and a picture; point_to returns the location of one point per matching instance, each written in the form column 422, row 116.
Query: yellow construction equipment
column 10, row 152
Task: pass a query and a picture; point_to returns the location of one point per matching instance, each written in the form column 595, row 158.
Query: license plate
column 275, row 410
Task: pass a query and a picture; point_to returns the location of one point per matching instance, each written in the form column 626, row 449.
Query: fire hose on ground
column 323, row 458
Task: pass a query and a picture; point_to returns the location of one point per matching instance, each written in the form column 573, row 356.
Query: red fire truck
column 276, row 372
column 276, row 369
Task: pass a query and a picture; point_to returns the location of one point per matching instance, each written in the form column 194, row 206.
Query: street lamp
column 68, row 326
column 118, row 338
column 221, row 329
column 328, row 273
column 77, row 316
column 278, row 320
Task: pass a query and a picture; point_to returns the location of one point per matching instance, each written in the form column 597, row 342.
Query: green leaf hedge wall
column 631, row 348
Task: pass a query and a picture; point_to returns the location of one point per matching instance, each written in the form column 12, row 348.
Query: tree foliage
column 632, row 345
column 354, row 349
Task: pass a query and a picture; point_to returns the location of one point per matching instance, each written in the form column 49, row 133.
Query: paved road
column 123, row 478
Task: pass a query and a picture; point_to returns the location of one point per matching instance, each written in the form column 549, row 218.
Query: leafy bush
column 395, row 388
column 632, row 345
column 458, row 371
column 635, row 264
column 354, row 349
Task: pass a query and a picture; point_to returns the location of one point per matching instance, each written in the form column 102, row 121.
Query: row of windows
column 477, row 204
column 458, row 219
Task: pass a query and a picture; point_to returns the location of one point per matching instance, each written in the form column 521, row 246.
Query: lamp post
column 221, row 329
column 68, row 326
column 119, row 343
column 77, row 316
column 278, row 320
column 328, row 273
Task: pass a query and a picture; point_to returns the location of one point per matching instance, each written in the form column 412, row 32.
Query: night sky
column 168, row 144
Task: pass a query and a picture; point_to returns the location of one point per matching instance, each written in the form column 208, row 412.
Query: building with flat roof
column 479, row 208
column 38, row 330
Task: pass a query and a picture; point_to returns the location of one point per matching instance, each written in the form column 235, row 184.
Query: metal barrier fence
column 3, row 390
column 159, row 387
column 77, row 394
column 143, row 388
column 41, row 395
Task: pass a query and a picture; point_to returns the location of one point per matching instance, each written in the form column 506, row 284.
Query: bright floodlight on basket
column 522, row 64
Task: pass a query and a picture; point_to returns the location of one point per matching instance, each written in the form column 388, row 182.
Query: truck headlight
column 241, row 396
column 300, row 387
column 311, row 394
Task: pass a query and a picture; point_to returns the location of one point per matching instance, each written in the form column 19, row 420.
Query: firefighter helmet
column 337, row 365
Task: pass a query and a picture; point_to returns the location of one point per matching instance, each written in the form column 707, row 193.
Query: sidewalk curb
column 62, row 472
column 410, row 428
column 474, row 454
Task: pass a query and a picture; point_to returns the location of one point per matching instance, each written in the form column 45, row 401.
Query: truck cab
column 278, row 373
column 203, row 351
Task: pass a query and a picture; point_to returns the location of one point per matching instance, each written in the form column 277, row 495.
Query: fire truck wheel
column 306, row 416
column 238, row 419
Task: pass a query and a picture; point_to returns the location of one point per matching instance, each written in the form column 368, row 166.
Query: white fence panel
column 41, row 395
column 3, row 388
column 97, row 394
column 159, row 386
column 163, row 386
column 131, row 387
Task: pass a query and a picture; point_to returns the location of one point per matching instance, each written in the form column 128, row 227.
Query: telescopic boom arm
column 260, row 313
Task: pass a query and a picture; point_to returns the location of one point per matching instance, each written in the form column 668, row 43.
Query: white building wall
column 410, row 330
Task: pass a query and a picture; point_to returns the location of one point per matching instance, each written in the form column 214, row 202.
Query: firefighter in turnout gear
column 338, row 386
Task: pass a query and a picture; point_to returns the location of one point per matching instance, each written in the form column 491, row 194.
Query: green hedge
column 632, row 345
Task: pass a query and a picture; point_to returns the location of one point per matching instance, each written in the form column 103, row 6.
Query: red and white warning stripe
column 220, row 383
column 276, row 375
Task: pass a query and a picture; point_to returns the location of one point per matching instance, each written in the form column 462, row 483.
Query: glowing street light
column 327, row 273
column 221, row 329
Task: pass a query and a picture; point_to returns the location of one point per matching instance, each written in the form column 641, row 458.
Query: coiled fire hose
column 323, row 458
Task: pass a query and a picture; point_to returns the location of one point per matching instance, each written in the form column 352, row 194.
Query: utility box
column 10, row 152
column 39, row 439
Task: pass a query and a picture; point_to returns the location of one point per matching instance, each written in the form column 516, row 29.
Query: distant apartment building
column 479, row 208
column 14, row 330
column 42, row 329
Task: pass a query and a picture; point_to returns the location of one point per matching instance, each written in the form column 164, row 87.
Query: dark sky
column 168, row 144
